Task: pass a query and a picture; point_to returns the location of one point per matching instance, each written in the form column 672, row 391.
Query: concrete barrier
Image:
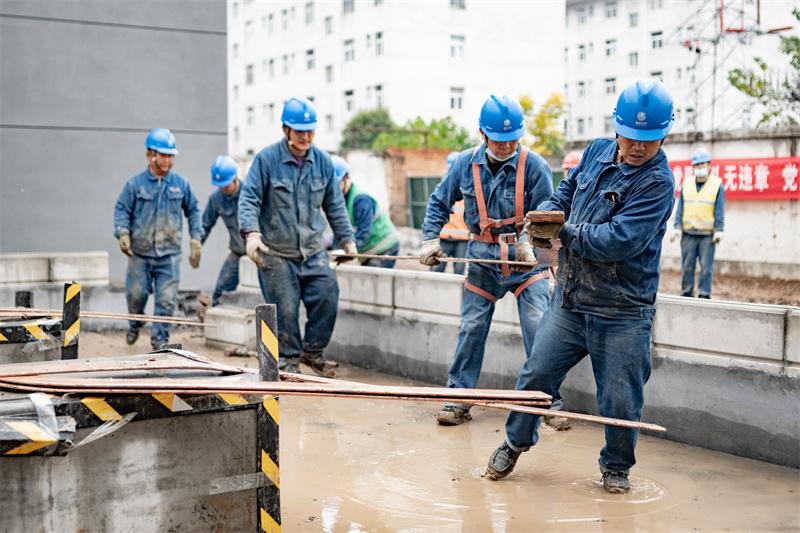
column 38, row 268
column 234, row 326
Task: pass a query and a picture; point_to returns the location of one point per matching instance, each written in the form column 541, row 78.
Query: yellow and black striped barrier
column 43, row 330
column 269, row 418
column 71, row 320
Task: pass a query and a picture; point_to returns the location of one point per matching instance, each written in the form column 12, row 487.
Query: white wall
column 368, row 170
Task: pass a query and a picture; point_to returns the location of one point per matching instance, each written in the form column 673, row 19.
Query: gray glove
column 255, row 247
column 524, row 253
column 431, row 251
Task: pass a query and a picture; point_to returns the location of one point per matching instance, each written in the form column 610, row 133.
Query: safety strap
column 485, row 223
column 505, row 239
column 522, row 286
column 530, row 281
column 480, row 292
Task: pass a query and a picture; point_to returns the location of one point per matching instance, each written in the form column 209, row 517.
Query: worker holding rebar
column 375, row 233
column 224, row 203
column 454, row 236
column 617, row 202
column 499, row 181
column 700, row 219
column 288, row 186
column 148, row 226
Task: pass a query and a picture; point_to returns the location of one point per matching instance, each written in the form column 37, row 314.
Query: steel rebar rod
column 25, row 312
column 442, row 259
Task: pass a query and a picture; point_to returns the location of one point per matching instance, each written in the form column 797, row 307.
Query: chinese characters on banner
column 773, row 178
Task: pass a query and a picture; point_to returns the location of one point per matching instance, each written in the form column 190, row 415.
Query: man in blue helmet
column 374, row 230
column 499, row 181
column 617, row 202
column 148, row 227
column 454, row 236
column 224, row 202
column 280, row 216
column 700, row 217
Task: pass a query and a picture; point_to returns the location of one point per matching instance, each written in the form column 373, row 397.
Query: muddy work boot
column 559, row 423
column 317, row 363
column 616, row 482
column 452, row 415
column 131, row 337
column 289, row 365
column 502, row 462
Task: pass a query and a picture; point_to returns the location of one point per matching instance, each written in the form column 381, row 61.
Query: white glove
column 255, row 247
column 718, row 236
column 674, row 234
column 431, row 250
column 523, row 252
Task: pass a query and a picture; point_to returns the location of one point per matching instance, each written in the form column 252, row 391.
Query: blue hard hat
column 299, row 114
column 451, row 159
column 223, row 171
column 161, row 140
column 701, row 156
column 502, row 118
column 644, row 111
column 340, row 167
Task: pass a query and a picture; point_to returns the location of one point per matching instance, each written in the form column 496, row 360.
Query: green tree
column 778, row 94
column 365, row 127
column 442, row 134
column 543, row 128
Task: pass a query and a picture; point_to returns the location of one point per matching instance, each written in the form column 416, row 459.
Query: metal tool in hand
column 342, row 257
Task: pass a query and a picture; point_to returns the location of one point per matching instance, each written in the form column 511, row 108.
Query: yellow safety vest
column 698, row 206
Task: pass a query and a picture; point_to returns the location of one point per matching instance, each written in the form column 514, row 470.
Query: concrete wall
column 726, row 375
column 81, row 84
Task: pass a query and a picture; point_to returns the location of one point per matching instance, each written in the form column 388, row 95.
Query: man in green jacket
column 375, row 233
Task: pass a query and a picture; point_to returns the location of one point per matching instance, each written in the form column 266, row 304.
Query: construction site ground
column 373, row 466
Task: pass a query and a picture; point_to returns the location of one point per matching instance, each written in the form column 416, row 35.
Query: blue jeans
column 285, row 282
column 228, row 278
column 384, row 263
column 694, row 247
column 160, row 276
column 476, row 319
column 453, row 248
column 620, row 353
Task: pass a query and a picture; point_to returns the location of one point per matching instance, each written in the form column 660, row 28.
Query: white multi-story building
column 611, row 43
column 427, row 58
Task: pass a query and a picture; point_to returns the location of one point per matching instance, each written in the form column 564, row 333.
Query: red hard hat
column 571, row 160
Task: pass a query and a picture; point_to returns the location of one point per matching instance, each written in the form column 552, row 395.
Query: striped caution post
column 71, row 320
column 267, row 430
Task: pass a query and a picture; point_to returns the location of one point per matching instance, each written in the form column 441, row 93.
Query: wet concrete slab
column 373, row 466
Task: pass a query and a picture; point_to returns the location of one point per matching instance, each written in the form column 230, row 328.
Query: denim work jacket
column 498, row 192
column 149, row 209
column 284, row 199
column 227, row 207
column 611, row 243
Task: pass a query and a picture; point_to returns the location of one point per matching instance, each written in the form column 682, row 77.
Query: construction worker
column 499, row 181
column 375, row 233
column 455, row 234
column 617, row 202
column 290, row 182
column 570, row 161
column 224, row 202
column 700, row 217
column 148, row 226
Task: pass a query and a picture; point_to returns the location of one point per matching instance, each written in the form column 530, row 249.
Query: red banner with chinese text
column 770, row 178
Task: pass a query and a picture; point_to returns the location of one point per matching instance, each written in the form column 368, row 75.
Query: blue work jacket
column 498, row 192
column 283, row 198
column 611, row 243
column 149, row 209
column 227, row 207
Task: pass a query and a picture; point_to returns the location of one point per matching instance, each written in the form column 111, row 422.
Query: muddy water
column 375, row 466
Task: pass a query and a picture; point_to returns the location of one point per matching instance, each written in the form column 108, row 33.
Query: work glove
column 542, row 235
column 674, row 234
column 523, row 252
column 431, row 251
column 349, row 248
column 124, row 241
column 718, row 236
column 254, row 248
column 194, row 252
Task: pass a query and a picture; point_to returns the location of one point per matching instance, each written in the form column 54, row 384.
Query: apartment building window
column 657, row 39
column 329, row 122
column 458, row 4
column 607, row 125
column 420, row 189
column 235, row 92
column 379, row 43
column 236, row 134
column 369, row 42
column 349, row 50
column 456, row 98
column 271, row 23
column 611, row 47
column 348, row 6
column 379, row 96
column 633, row 20
column 248, row 75
column 377, row 2
column 457, row 46
column 611, row 10
column 679, row 73
column 581, row 52
column 581, row 89
column 285, row 62
column 691, row 118
column 328, row 73
column 309, row 12
column 263, row 22
column 566, row 54
column 656, row 4
column 328, row 25
column 310, row 99
column 310, row 59
column 235, row 9
column 235, row 51
column 291, row 60
column 285, row 19
column 292, row 16
column 349, row 101
column 658, row 75
column 248, row 29
column 271, row 113
column 633, row 59
column 611, row 85
column 581, row 128
column 271, row 69
column 251, row 115
column 590, row 123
